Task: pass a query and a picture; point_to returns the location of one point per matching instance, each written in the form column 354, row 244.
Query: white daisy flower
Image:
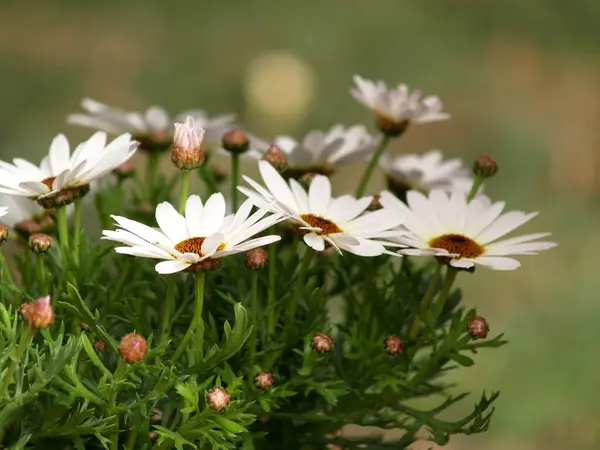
column 464, row 234
column 339, row 222
column 152, row 127
column 3, row 211
column 62, row 177
column 424, row 173
column 396, row 108
column 204, row 234
column 321, row 152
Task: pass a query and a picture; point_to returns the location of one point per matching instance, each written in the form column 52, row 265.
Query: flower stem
column 185, row 187
column 63, row 230
column 77, row 230
column 153, row 160
column 293, row 305
column 169, row 300
column 24, row 342
column 272, row 318
column 451, row 273
column 41, row 273
column 477, row 182
column 254, row 306
column 5, row 276
column 385, row 140
column 196, row 320
column 235, row 174
column 426, row 300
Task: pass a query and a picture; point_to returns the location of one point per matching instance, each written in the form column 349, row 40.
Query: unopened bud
column 263, row 380
column 375, row 203
column 478, row 328
column 322, row 343
column 275, row 156
column 256, row 258
column 39, row 313
column 157, row 416
column 152, row 435
column 187, row 151
column 306, row 179
column 391, row 127
column 125, row 170
column 485, row 166
column 132, row 348
column 84, row 326
column 235, row 141
column 218, row 398
column 40, row 243
column 3, row 234
column 99, row 345
column 393, row 345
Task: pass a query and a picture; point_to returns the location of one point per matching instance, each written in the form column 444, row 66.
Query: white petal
column 319, row 195
column 498, row 262
column 213, row 214
column 211, row 243
column 365, row 247
column 314, row 241
column 345, row 208
column 193, row 215
column 167, row 267
column 503, row 225
column 462, row 263
column 59, row 154
column 172, row 224
column 277, row 185
column 300, row 196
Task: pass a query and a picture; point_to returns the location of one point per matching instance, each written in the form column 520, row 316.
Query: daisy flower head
column 464, row 234
column 24, row 215
column 321, row 152
column 340, row 222
column 197, row 239
column 424, row 173
column 62, row 177
column 396, row 108
column 153, row 128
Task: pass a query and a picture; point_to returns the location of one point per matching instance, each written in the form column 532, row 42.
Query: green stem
column 41, row 273
column 425, row 301
column 369, row 170
column 185, row 187
column 118, row 374
column 196, row 320
column 272, row 319
column 293, row 305
column 5, row 276
column 169, row 301
column 254, row 306
column 451, row 273
column 235, row 174
column 477, row 182
column 77, row 230
column 131, row 439
column 153, row 160
column 63, row 231
column 24, row 342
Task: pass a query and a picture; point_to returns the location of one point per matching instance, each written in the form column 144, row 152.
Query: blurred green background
column 520, row 77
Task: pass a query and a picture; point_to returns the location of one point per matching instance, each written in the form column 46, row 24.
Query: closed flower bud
column 263, row 380
column 393, row 345
column 485, row 166
column 133, row 348
column 99, row 345
column 478, row 328
column 256, row 258
column 125, row 170
column 40, row 243
column 235, row 141
column 375, row 204
column 218, row 398
column 3, row 234
column 187, row 151
column 322, row 343
column 276, row 158
column 152, row 435
column 157, row 416
column 39, row 313
column 306, row 179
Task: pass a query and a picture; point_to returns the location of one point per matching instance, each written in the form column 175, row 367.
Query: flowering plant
column 268, row 323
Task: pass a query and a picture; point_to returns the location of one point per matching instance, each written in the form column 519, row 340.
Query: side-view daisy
column 187, row 241
column 395, row 108
column 424, row 173
column 151, row 127
column 340, row 222
column 62, row 177
column 321, row 152
column 25, row 215
column 464, row 234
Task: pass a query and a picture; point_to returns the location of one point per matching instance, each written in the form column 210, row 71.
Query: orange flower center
column 456, row 243
column 326, row 226
column 48, row 182
column 194, row 245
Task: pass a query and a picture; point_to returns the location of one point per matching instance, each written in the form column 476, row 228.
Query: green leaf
column 229, row 425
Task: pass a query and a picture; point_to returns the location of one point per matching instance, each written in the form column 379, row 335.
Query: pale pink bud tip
column 39, row 313
column 133, row 348
column 218, row 398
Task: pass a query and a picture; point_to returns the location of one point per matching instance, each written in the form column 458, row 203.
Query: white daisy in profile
column 464, row 234
column 153, row 127
column 321, row 152
column 63, row 176
column 340, row 222
column 424, row 173
column 194, row 240
column 395, row 108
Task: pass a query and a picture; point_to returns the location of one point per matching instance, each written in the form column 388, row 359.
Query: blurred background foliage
column 520, row 77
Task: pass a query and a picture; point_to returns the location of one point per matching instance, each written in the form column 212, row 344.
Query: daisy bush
column 140, row 310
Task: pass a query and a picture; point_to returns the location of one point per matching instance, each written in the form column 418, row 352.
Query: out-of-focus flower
column 38, row 313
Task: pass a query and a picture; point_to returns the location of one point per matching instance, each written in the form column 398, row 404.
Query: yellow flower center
column 458, row 244
column 194, row 245
column 326, row 226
